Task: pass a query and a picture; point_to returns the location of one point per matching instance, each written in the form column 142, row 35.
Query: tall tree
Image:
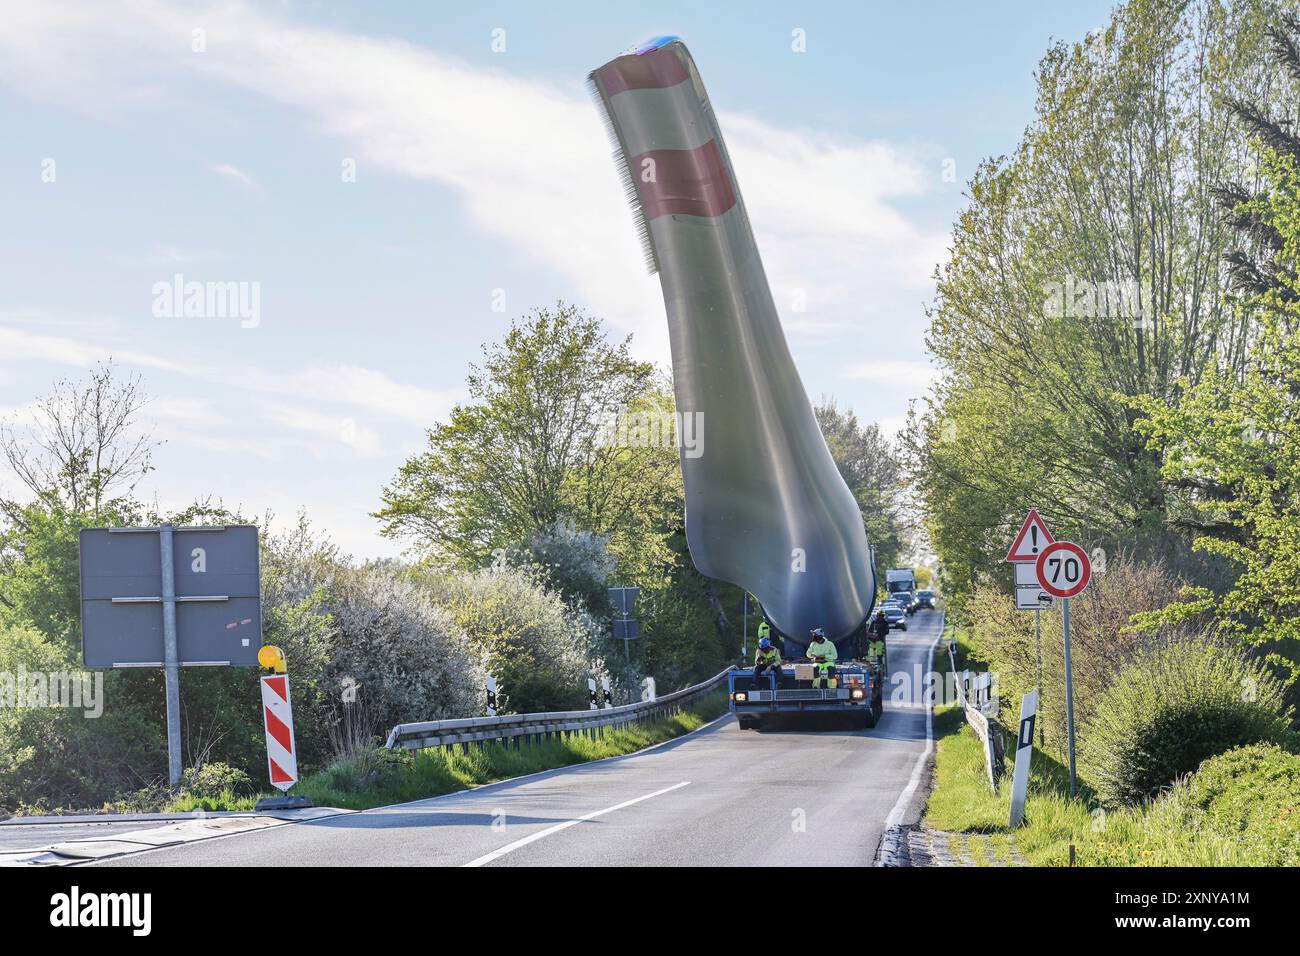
column 1086, row 272
column 80, row 453
column 1231, row 445
column 539, row 442
column 83, row 444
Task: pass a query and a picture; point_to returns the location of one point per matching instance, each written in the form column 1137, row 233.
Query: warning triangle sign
column 1031, row 540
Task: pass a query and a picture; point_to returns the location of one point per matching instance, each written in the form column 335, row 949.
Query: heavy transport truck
column 900, row 586
column 858, row 695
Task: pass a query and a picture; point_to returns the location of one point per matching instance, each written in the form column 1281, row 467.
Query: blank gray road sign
column 623, row 599
column 218, row 596
column 626, row 630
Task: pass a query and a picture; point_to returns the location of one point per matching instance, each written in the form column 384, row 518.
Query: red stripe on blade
column 654, row 70
column 278, row 775
column 277, row 729
column 690, row 182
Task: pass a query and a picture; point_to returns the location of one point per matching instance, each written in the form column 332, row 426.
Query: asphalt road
column 17, row 835
column 720, row 796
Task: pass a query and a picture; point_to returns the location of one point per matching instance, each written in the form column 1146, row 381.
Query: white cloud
column 895, row 373
column 352, row 385
column 226, row 171
column 35, row 346
column 333, row 429
column 528, row 158
column 223, row 445
column 167, row 257
column 187, row 411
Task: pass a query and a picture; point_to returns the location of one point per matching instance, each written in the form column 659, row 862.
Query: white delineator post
column 491, row 696
column 1024, row 752
column 277, row 716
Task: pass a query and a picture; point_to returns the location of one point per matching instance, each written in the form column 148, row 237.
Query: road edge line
column 889, row 843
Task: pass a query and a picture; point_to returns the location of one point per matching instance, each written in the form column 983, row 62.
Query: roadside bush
column 540, row 650
column 397, row 653
column 215, row 780
column 1101, row 641
column 575, row 563
column 28, row 735
column 52, row 757
column 1250, row 793
column 1169, row 709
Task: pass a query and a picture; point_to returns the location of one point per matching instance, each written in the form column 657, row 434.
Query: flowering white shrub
column 540, row 651
column 573, row 562
column 396, row 653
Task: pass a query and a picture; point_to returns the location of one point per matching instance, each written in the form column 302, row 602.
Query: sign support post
column 171, row 656
column 1069, row 689
column 1063, row 571
column 1038, row 649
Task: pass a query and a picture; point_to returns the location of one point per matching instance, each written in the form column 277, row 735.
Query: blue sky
column 136, row 149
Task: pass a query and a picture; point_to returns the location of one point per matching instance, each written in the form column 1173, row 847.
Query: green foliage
column 1085, row 271
column 1238, row 809
column 869, row 465
column 1251, row 793
column 1101, row 639
column 532, row 447
column 574, row 563
column 214, row 780
column 61, row 756
column 1169, row 709
column 39, row 580
column 540, row 651
column 378, row 777
column 1232, row 446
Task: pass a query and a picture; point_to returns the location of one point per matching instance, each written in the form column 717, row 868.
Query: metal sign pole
column 171, row 656
column 1038, row 685
column 1069, row 688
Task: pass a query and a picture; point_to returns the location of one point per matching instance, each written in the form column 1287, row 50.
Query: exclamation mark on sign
column 1033, row 531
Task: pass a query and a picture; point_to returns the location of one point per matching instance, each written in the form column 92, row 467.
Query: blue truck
column 858, row 696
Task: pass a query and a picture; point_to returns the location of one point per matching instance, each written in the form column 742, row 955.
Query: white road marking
column 900, row 808
column 533, row 838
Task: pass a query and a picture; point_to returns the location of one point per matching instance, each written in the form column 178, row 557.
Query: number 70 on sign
column 1063, row 569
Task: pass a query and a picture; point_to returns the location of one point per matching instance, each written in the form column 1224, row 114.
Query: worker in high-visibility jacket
column 767, row 660
column 877, row 632
column 823, row 655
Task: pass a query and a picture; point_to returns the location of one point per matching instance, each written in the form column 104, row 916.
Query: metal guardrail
column 986, row 728
column 535, row 728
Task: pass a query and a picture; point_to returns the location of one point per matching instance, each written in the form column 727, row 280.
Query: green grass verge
column 1239, row 809
column 380, row 777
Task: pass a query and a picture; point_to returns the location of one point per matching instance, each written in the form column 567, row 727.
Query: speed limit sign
column 1063, row 569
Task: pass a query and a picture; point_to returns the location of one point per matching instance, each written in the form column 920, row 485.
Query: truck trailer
column 858, row 695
